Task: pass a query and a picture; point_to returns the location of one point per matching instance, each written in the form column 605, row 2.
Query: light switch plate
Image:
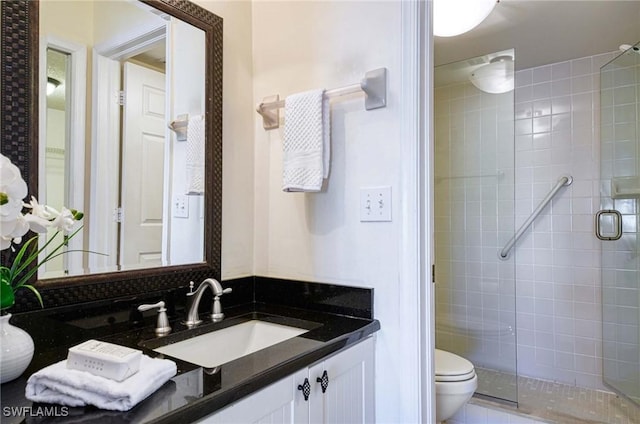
column 375, row 204
column 181, row 206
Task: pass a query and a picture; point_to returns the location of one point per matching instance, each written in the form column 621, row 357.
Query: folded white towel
column 61, row 385
column 195, row 155
column 306, row 146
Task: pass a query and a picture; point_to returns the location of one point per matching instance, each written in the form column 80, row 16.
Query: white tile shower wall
column 557, row 132
column 475, row 301
column 620, row 260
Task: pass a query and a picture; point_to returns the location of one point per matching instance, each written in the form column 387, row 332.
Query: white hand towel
column 61, row 385
column 195, row 155
column 306, row 146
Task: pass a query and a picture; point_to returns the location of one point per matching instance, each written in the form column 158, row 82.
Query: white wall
column 238, row 137
column 287, row 47
column 186, row 73
column 318, row 237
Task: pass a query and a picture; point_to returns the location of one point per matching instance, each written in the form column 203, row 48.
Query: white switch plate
column 375, row 204
column 181, row 206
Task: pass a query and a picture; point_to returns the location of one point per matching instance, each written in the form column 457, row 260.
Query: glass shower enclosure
column 618, row 220
column 475, row 218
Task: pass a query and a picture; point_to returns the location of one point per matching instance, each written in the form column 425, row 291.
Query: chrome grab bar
column 565, row 180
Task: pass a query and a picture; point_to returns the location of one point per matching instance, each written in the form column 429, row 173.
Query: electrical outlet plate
column 375, row 204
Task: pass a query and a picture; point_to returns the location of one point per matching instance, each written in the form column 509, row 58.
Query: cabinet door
column 279, row 403
column 349, row 395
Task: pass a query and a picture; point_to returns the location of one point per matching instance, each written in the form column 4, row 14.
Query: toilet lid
column 451, row 367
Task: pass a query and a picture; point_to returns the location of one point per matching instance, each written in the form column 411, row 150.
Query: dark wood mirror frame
column 19, row 142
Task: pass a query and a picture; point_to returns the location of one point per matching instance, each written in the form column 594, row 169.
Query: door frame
column 417, row 288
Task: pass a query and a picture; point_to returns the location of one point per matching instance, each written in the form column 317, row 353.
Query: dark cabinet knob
column 305, row 388
column 324, row 381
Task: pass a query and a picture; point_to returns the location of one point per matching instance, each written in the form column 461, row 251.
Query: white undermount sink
column 218, row 347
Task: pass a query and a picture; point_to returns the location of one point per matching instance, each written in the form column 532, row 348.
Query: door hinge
column 117, row 214
column 121, row 98
column 433, row 273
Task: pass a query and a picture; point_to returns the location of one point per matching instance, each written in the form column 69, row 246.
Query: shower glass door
column 617, row 223
column 474, row 217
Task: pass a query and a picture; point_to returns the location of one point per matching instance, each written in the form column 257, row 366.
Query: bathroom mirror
column 22, row 51
column 105, row 144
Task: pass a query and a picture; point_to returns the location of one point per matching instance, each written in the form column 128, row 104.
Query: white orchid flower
column 63, row 221
column 10, row 207
column 15, row 228
column 37, row 224
column 5, row 242
column 12, row 190
column 11, row 182
column 12, row 231
column 42, row 211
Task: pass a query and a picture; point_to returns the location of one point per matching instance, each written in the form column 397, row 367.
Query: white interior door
column 143, row 146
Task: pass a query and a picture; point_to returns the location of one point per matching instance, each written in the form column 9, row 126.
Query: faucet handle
column 216, row 310
column 162, row 325
column 191, row 284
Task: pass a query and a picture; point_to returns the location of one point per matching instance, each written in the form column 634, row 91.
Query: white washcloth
column 195, row 155
column 306, row 146
column 61, row 385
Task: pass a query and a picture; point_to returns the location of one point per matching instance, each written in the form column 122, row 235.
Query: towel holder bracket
column 270, row 117
column 180, row 127
column 374, row 85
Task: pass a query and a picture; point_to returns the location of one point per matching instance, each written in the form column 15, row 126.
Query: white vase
column 16, row 350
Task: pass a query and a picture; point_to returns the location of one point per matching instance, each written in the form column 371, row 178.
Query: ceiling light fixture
column 52, row 84
column 629, row 48
column 496, row 77
column 454, row 17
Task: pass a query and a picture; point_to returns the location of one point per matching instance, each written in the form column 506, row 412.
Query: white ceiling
column 546, row 31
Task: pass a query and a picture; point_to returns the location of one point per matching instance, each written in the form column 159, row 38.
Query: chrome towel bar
column 374, row 85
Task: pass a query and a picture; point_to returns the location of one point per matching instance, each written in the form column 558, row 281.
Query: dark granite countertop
column 336, row 317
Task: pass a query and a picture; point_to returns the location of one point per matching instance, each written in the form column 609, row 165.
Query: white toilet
column 456, row 381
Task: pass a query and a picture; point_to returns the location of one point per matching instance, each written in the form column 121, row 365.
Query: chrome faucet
column 193, row 301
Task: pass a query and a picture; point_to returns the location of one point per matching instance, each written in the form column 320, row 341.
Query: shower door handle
column 617, row 217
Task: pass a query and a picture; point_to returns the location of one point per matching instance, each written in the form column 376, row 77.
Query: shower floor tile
column 559, row 403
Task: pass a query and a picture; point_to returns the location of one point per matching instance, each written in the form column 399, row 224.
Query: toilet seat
column 451, row 367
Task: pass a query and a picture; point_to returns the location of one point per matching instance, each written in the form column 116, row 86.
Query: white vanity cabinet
column 348, row 397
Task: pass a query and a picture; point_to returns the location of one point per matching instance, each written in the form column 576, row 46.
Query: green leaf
column 36, row 292
column 18, row 264
column 7, row 299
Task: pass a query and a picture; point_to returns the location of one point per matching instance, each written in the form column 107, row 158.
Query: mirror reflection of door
column 142, row 173
column 131, row 141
